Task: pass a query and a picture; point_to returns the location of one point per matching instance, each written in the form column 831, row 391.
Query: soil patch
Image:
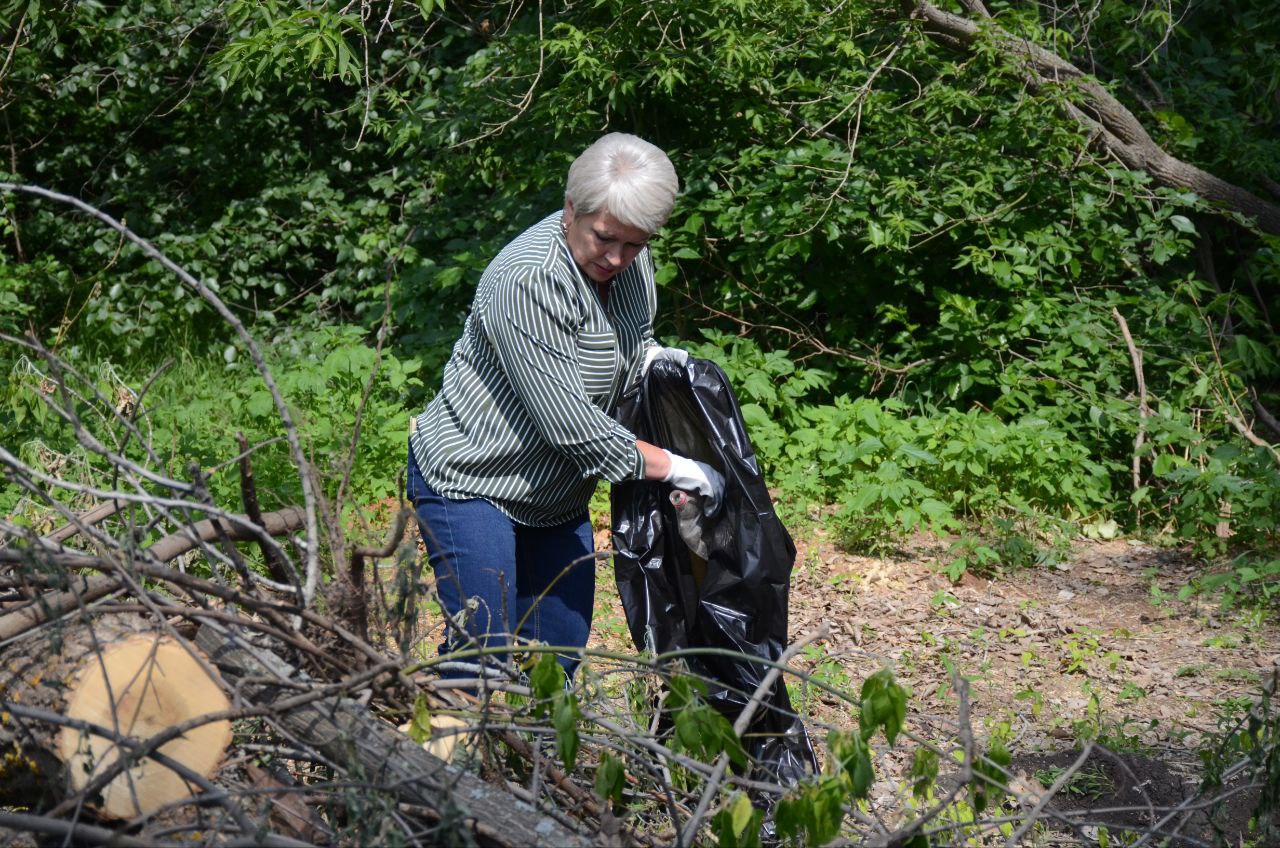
column 1133, row 794
column 1097, row 647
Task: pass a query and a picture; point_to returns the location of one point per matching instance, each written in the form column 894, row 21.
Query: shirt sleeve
column 532, row 323
column 648, row 291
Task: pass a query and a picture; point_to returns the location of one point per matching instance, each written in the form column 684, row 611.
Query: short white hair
column 626, row 175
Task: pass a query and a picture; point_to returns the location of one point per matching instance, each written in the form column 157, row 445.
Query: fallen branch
column 99, row 513
column 1108, row 121
column 348, row 734
column 84, row 590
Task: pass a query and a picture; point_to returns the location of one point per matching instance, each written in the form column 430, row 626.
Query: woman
column 506, row 456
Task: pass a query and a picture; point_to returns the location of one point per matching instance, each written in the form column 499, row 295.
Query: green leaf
column 924, row 771
column 916, row 453
column 610, row 778
column 884, row 704
column 260, row 403
column 742, row 814
column 546, row 680
column 853, row 757
column 565, row 716
column 737, row 825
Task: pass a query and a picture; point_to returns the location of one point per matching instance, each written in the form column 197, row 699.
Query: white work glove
column 675, row 354
column 695, row 477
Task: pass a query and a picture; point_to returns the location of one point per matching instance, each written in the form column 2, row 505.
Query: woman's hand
column 663, row 466
column 696, row 477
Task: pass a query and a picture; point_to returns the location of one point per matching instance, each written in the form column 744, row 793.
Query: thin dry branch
column 309, row 493
column 1144, row 412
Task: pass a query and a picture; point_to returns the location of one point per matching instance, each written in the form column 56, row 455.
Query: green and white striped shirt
column 523, row 417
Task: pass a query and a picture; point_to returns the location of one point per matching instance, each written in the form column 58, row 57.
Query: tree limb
column 347, row 733
column 1109, row 122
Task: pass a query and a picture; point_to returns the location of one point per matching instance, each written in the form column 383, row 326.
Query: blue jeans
column 538, row 583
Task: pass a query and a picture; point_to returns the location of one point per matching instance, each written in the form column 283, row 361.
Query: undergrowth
column 193, row 410
column 1007, row 490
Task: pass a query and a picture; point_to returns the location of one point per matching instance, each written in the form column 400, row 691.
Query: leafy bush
column 892, row 472
column 323, row 376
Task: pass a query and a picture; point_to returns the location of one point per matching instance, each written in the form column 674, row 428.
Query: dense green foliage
column 910, row 264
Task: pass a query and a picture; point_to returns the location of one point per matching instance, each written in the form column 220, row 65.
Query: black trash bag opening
column 737, row 598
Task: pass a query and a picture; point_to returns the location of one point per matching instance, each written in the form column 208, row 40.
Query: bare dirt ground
column 1096, row 647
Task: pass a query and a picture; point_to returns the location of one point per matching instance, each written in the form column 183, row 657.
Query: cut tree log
column 141, row 686
column 377, row 753
column 118, row 673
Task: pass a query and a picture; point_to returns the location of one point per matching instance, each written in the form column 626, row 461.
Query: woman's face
column 601, row 245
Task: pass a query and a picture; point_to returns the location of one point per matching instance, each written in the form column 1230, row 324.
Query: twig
column 1264, row 415
column 359, row 613
column 1135, row 356
column 908, row 833
column 525, row 101
column 1253, row 438
column 76, row 833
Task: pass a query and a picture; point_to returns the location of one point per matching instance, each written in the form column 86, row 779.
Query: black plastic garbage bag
column 737, row 598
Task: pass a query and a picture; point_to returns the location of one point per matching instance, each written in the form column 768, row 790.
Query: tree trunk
column 378, row 754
